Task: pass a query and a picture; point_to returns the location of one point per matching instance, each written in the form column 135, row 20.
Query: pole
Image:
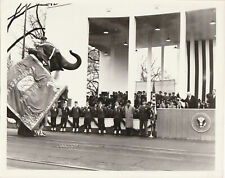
column 131, row 58
column 24, row 32
column 162, row 62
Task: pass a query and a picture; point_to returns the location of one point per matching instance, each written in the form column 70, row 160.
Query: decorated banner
column 31, row 91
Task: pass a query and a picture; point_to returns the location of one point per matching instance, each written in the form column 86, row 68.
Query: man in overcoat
column 129, row 115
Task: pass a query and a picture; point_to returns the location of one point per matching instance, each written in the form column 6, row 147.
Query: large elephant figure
column 52, row 60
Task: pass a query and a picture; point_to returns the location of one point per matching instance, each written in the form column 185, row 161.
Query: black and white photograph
column 122, row 86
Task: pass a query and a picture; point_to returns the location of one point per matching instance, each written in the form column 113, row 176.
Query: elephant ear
column 55, row 63
column 39, row 53
column 42, row 56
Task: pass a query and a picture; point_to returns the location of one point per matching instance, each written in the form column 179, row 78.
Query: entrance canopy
column 157, row 27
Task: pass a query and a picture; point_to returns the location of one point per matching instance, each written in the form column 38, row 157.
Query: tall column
column 149, row 62
column 162, row 62
column 182, row 64
column 131, row 58
column 192, row 66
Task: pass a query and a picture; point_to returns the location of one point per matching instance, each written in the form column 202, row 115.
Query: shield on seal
column 201, row 122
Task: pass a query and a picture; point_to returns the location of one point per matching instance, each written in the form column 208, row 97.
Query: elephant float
column 29, row 79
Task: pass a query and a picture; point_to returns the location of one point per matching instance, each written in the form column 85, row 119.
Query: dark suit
column 101, row 118
column 117, row 113
column 166, row 100
column 144, row 113
column 54, row 114
column 159, row 99
column 75, row 113
column 88, row 116
column 191, row 102
column 213, row 103
column 65, row 116
column 211, row 100
column 173, row 98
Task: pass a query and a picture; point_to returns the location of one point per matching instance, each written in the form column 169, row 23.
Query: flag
column 153, row 87
column 200, row 79
column 31, row 91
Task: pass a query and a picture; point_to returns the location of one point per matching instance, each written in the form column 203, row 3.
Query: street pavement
column 59, row 151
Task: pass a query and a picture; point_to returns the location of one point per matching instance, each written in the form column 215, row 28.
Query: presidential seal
column 201, row 122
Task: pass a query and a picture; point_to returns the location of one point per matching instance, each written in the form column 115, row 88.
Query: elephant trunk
column 69, row 66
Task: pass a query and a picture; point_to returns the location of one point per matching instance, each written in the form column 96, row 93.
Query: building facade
column 120, row 30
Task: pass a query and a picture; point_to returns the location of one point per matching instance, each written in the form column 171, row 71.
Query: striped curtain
column 200, row 67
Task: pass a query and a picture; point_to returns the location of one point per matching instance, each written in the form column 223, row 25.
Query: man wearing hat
column 88, row 116
column 159, row 99
column 165, row 99
column 173, row 97
column 54, row 113
column 129, row 115
column 117, row 114
column 144, row 113
column 75, row 113
column 64, row 117
column 101, row 118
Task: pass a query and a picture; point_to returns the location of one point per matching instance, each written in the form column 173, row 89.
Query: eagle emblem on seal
column 201, row 122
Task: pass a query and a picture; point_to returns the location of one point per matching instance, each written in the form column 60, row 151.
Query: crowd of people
column 101, row 111
column 108, row 100
column 175, row 101
column 163, row 100
column 117, row 106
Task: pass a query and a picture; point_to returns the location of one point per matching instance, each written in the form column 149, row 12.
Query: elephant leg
column 24, row 131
